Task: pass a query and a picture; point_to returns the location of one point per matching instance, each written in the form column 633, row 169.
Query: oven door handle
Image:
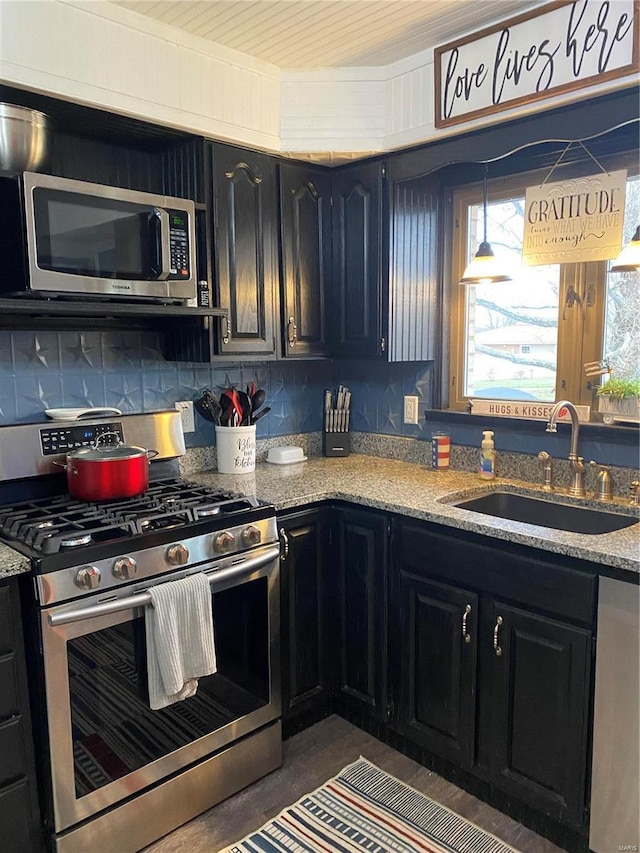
column 249, row 565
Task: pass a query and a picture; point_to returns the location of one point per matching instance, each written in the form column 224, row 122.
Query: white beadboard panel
column 95, row 54
column 313, row 34
column 341, row 114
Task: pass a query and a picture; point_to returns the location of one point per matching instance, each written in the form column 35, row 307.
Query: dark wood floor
column 312, row 757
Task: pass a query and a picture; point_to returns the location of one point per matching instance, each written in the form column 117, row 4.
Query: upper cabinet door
column 355, row 326
column 245, row 223
column 305, row 230
column 412, row 303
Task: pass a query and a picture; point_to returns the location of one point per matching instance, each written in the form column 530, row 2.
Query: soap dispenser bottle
column 487, row 467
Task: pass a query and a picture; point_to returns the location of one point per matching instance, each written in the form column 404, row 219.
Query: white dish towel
column 179, row 632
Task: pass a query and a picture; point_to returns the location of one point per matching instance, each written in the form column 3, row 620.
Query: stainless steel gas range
column 116, row 775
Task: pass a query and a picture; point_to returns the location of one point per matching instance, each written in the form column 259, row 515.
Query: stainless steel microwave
column 60, row 236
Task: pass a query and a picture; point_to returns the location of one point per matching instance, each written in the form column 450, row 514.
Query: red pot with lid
column 105, row 472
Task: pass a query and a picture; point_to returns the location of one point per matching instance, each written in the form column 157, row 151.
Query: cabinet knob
column 497, row 648
column 292, row 332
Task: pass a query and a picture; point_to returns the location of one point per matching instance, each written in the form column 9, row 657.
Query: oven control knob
column 223, row 542
column 88, row 577
column 251, row 535
column 178, row 554
column 124, row 568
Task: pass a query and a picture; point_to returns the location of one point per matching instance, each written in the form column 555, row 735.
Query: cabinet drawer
column 12, row 739
column 554, row 585
column 9, row 695
column 16, row 818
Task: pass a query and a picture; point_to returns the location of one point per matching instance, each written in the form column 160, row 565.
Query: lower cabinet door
column 437, row 667
column 359, row 613
column 539, row 710
column 304, row 654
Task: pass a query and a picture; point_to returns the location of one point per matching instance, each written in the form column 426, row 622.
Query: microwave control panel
column 179, row 244
column 62, row 439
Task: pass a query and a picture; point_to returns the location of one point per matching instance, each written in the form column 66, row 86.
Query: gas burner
column 207, row 510
column 162, row 521
column 75, row 541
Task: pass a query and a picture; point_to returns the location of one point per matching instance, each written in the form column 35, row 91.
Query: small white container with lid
column 288, row 454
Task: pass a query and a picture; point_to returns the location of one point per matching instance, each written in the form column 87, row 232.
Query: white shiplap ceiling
column 313, row 34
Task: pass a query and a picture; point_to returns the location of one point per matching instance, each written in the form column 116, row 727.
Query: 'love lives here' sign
column 556, row 48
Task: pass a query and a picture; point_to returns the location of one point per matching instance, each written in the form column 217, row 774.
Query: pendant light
column 485, row 267
column 629, row 258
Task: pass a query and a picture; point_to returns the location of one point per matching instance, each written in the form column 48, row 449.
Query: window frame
column 580, row 328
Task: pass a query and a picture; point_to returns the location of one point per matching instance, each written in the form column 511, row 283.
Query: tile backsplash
column 127, row 370
column 47, row 369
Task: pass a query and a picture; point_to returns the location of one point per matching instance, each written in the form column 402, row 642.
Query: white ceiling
column 312, row 34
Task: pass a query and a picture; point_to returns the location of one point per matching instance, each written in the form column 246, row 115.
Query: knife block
column 336, row 443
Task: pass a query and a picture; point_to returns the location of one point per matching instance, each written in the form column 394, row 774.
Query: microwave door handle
column 161, row 262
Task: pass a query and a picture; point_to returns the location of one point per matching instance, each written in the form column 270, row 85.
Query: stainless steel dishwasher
column 615, row 795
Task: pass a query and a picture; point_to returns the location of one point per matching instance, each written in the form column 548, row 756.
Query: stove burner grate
column 49, row 525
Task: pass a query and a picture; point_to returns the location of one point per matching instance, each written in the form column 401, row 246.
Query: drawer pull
column 466, row 636
column 284, row 545
column 497, row 649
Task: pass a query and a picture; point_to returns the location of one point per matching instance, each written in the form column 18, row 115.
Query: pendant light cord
column 484, row 200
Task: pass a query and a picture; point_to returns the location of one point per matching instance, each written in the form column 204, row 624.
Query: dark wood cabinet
column 359, row 587
column 437, row 666
column 386, row 272
column 355, row 328
column 19, row 813
column 539, row 696
column 305, row 240
column 304, row 641
column 411, row 303
column 245, row 212
column 495, row 665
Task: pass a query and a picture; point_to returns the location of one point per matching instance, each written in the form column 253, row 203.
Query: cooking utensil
column 235, row 410
column 104, row 472
column 257, row 399
column 260, row 414
column 245, row 405
column 23, row 139
column 208, row 410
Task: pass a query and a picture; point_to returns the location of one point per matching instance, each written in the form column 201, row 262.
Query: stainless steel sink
column 546, row 513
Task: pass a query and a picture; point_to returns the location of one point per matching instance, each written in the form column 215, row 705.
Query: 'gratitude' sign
column 556, row 48
column 579, row 219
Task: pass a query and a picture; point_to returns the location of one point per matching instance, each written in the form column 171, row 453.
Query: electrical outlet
column 411, row 410
column 185, row 407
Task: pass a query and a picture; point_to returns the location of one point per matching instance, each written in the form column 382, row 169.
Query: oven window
column 113, row 729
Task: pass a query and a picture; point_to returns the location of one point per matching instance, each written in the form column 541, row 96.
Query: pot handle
column 66, row 467
column 96, row 443
column 151, row 454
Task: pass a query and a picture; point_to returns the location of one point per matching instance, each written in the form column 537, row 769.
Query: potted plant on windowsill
column 619, row 400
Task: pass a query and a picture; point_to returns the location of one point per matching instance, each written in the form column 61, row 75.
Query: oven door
column 105, row 743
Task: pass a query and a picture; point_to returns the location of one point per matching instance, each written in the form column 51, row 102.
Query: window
column 529, row 338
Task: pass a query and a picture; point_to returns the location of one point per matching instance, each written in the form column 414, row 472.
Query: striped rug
column 364, row 810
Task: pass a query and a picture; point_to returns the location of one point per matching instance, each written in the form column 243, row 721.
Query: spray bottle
column 487, row 466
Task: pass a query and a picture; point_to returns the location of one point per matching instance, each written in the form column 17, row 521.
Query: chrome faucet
column 577, row 462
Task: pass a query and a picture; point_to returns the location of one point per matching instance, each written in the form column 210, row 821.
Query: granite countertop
column 417, row 491
column 413, row 490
